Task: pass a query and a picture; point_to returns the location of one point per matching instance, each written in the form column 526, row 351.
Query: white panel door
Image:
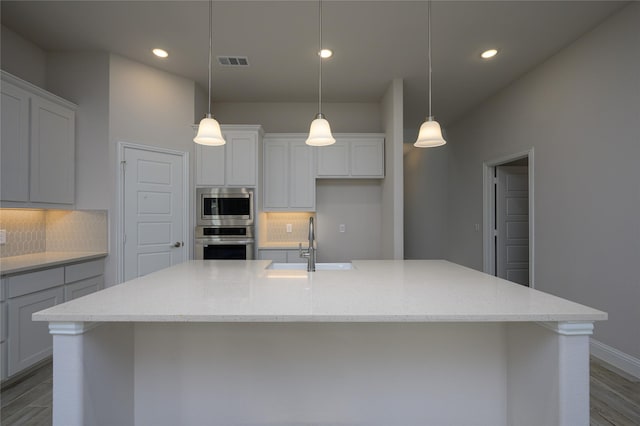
column 512, row 220
column 153, row 211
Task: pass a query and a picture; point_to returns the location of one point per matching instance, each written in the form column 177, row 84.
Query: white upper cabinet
column 289, row 174
column 52, row 152
column 355, row 156
column 15, row 144
column 38, row 145
column 232, row 164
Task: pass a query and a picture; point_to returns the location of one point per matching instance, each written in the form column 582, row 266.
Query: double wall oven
column 224, row 223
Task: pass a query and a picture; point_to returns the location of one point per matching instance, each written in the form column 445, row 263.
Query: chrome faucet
column 310, row 253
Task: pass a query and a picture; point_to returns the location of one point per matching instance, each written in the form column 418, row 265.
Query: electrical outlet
column 289, row 228
column 342, row 228
column 3, row 236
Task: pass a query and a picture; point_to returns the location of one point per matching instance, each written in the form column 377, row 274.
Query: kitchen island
column 386, row 343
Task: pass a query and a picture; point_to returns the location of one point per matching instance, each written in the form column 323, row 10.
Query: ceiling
column 373, row 42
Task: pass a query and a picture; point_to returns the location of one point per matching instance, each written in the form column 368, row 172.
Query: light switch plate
column 342, row 227
column 289, row 227
column 3, row 236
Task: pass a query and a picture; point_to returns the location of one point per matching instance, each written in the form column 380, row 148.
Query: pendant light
column 209, row 130
column 320, row 130
column 430, row 134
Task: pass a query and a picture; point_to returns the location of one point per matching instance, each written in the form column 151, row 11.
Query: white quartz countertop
column 47, row 259
column 374, row 291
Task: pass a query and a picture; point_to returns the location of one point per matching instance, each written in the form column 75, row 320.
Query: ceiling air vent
column 233, row 61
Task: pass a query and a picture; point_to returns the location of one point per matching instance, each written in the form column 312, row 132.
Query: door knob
column 178, row 244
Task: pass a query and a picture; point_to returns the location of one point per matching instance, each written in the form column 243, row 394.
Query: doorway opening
column 508, row 249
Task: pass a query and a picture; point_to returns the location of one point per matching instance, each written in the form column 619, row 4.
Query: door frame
column 120, row 198
column 488, row 209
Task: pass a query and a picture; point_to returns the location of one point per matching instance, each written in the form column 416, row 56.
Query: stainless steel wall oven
column 224, row 242
column 225, row 224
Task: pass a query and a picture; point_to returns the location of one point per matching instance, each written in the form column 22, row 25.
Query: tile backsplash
column 275, row 225
column 34, row 231
column 26, row 231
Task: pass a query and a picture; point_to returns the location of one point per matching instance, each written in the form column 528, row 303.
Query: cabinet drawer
column 82, row 288
column 81, row 271
column 35, row 281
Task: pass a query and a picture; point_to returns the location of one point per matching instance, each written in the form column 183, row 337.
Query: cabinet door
column 333, row 160
column 241, row 158
column 52, row 152
column 367, row 157
column 279, row 256
column 302, row 183
column 14, row 148
column 276, row 175
column 30, row 341
column 82, row 288
column 210, row 165
column 293, row 256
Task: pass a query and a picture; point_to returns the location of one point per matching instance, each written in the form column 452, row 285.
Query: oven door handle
column 225, row 243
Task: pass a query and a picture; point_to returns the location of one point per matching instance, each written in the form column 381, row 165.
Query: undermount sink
column 345, row 266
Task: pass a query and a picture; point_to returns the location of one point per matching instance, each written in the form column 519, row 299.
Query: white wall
column 281, row 117
column 22, row 58
column 392, row 192
column 83, row 78
column 356, row 204
column 425, row 200
column 580, row 110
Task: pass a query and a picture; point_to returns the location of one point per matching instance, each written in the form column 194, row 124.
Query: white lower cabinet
column 281, row 256
column 25, row 342
column 3, row 334
column 82, row 288
column 30, row 341
column 83, row 278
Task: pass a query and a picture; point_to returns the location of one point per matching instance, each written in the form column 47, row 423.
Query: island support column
column 93, row 368
column 548, row 373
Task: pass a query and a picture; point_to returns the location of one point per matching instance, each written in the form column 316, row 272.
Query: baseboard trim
column 616, row 358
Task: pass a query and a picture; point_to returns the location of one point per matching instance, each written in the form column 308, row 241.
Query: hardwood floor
column 614, row 399
column 28, row 401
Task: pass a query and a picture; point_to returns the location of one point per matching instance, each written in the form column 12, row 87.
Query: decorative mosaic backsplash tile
column 26, row 231
column 35, row 231
column 80, row 230
column 276, row 225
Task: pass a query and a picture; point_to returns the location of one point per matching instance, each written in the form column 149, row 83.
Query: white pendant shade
column 430, row 135
column 320, row 133
column 209, row 132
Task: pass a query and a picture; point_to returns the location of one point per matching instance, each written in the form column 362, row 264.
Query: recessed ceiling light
column 325, row 53
column 489, row 53
column 160, row 53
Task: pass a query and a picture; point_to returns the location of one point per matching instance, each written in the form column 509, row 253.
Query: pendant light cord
column 320, row 56
column 210, row 50
column 429, row 50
